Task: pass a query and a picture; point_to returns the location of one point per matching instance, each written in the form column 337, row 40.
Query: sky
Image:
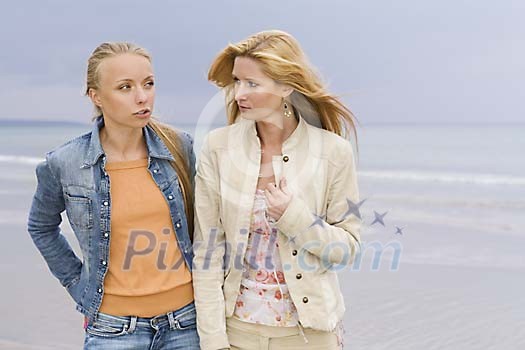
column 403, row 61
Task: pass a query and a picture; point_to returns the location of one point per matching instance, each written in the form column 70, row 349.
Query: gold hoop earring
column 287, row 112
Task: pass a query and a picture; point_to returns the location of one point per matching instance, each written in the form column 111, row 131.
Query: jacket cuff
column 296, row 218
column 215, row 342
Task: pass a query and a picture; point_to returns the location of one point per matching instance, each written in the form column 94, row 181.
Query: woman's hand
column 277, row 198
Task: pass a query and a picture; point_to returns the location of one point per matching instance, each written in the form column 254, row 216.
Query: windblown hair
column 168, row 135
column 282, row 59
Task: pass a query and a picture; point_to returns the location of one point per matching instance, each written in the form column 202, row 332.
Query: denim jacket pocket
column 79, row 211
column 173, row 184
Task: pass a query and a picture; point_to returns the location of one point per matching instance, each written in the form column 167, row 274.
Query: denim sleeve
column 44, row 227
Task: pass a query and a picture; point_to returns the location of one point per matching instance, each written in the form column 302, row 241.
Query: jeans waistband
column 173, row 318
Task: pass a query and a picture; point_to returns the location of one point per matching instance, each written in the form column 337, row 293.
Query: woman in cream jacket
column 275, row 204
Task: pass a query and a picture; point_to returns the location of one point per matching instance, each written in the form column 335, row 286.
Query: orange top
column 146, row 273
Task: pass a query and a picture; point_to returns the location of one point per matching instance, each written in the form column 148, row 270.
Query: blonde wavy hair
column 282, row 59
column 168, row 135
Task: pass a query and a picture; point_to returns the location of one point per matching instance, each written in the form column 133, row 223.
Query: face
column 258, row 96
column 126, row 91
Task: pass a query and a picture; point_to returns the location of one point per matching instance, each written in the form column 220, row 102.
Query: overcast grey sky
column 393, row 61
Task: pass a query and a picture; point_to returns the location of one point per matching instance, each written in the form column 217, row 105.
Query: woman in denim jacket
column 275, row 199
column 127, row 190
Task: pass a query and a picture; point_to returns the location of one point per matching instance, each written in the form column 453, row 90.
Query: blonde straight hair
column 283, row 60
column 169, row 136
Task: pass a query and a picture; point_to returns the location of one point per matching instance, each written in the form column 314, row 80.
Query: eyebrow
column 129, row 79
column 247, row 78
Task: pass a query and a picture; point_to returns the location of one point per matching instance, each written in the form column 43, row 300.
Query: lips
column 244, row 108
column 143, row 113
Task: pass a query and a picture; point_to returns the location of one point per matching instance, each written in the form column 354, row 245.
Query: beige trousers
column 249, row 336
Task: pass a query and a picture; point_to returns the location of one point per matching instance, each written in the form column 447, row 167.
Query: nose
column 240, row 93
column 141, row 96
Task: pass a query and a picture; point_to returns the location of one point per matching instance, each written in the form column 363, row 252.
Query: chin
column 249, row 116
column 255, row 116
column 142, row 123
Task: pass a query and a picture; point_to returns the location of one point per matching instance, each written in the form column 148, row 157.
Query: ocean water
column 473, row 175
column 455, row 192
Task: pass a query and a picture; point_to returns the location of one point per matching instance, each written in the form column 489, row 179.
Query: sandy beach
column 424, row 304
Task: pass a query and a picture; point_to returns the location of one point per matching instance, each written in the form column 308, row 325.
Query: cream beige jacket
column 318, row 230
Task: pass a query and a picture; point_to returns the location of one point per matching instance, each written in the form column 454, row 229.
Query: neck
column 123, row 144
column 274, row 132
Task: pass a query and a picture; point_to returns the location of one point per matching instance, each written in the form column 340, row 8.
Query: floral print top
column 264, row 297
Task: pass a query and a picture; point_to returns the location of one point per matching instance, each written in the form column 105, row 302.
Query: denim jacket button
column 177, row 225
column 170, row 197
column 106, row 203
column 104, row 262
column 106, row 235
column 155, row 171
column 99, row 290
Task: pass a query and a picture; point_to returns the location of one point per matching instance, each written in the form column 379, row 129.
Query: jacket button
column 298, row 276
column 305, row 300
column 104, row 262
column 106, row 203
column 177, row 224
column 286, row 158
column 106, row 235
column 155, row 171
column 294, row 252
column 170, row 197
column 99, row 290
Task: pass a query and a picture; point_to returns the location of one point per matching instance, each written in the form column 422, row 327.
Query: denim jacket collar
column 156, row 147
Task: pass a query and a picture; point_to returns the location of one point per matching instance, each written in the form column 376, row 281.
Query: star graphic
column 399, row 230
column 291, row 240
column 353, row 208
column 319, row 220
column 379, row 218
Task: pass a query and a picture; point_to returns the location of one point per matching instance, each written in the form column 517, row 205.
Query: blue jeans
column 174, row 330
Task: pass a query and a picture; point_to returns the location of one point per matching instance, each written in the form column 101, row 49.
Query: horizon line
column 362, row 124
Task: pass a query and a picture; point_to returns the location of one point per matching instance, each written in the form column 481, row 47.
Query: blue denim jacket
column 73, row 178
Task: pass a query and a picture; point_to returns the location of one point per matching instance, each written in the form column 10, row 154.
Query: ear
column 95, row 98
column 286, row 91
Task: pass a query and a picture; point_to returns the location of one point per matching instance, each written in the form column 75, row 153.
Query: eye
column 150, row 83
column 124, row 87
column 252, row 84
column 236, row 80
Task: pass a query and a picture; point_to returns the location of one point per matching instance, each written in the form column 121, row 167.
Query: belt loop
column 132, row 324
column 153, row 322
column 171, row 320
